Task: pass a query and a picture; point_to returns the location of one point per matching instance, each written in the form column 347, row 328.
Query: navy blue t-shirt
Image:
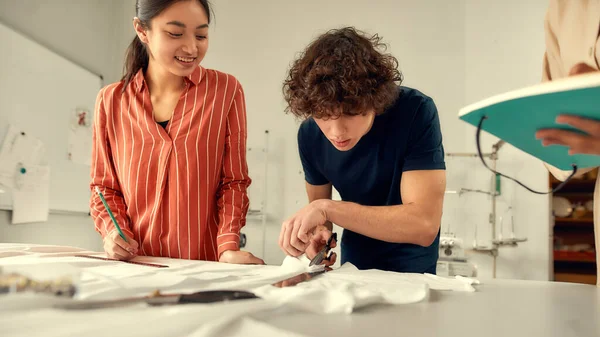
column 405, row 137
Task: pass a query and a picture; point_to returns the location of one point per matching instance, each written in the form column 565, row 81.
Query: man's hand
column 116, row 248
column 588, row 143
column 318, row 241
column 239, row 257
column 296, row 231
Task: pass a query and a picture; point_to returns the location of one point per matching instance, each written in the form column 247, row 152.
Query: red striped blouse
column 181, row 191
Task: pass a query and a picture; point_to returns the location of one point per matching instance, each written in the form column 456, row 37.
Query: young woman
column 572, row 49
column 169, row 144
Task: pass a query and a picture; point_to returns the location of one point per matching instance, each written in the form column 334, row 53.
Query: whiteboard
column 40, row 92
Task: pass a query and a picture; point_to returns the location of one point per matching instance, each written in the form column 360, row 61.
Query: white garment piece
column 301, row 263
column 346, row 289
column 459, row 283
column 326, row 296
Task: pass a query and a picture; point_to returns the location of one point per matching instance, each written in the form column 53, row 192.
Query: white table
column 497, row 308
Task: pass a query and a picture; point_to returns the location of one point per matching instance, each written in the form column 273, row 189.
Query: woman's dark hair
column 136, row 57
column 342, row 72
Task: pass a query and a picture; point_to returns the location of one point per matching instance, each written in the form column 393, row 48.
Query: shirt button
column 591, row 51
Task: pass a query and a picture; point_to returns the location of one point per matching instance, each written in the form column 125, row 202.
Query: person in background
column 573, row 48
column 169, row 144
column 379, row 144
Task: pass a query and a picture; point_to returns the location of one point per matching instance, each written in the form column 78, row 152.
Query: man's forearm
column 402, row 223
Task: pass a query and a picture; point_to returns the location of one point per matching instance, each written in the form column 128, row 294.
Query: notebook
column 515, row 116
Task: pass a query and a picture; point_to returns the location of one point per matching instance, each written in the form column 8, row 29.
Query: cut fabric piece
column 459, row 283
column 346, row 289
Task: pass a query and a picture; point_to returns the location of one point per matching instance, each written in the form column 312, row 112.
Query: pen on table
column 110, row 214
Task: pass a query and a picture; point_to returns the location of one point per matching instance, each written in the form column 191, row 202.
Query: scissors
column 323, row 252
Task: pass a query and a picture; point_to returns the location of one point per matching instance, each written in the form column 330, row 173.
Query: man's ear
column 140, row 30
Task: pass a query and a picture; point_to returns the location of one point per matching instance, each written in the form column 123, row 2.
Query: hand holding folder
column 517, row 116
column 585, row 142
column 588, row 143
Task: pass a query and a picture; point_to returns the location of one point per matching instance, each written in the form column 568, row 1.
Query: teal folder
column 516, row 116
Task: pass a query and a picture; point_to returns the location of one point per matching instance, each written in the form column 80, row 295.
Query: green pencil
column 111, row 214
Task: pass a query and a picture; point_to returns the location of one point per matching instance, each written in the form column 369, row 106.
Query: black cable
column 477, row 140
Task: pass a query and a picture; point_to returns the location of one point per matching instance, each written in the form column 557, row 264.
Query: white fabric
column 343, row 290
column 346, row 289
column 140, row 321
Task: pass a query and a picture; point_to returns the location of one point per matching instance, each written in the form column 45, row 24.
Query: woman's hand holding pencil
column 117, row 248
column 116, row 244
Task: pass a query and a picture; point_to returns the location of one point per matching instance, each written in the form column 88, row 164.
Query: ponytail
column 136, row 58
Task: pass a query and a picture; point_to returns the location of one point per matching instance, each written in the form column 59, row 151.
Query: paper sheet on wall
column 80, row 137
column 31, row 195
column 18, row 149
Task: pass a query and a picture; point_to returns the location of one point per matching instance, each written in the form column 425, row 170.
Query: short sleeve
column 312, row 174
column 424, row 149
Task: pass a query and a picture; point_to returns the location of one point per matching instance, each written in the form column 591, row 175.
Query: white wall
column 504, row 49
column 90, row 34
column 86, row 32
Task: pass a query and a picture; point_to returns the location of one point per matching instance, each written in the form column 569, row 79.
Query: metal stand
column 261, row 213
column 494, row 193
column 264, row 200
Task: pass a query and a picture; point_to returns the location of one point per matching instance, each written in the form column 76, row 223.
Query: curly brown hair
column 342, row 72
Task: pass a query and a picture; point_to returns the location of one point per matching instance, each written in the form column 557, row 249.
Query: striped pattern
column 181, row 191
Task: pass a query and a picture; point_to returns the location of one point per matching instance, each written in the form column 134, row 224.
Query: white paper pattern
column 31, row 195
column 80, row 138
column 18, row 149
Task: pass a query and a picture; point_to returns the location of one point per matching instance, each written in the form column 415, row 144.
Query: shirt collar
column 194, row 78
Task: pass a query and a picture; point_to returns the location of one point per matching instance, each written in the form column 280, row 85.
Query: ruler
column 132, row 262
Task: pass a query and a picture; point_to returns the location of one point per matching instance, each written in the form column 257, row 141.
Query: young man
column 573, row 48
column 378, row 144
